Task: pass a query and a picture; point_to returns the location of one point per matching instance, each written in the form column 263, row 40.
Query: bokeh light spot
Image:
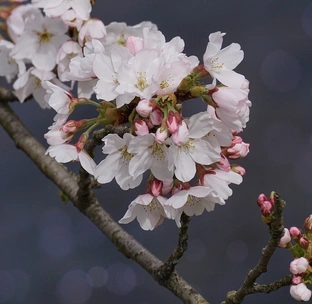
column 280, row 71
column 121, row 279
column 98, row 276
column 74, row 287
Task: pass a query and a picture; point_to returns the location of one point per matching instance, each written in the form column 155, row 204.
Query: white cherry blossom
column 149, row 211
column 220, row 63
column 31, row 83
column 57, row 8
column 40, row 41
column 193, row 201
column 149, row 155
column 9, row 66
column 65, row 153
column 193, row 148
column 116, row 163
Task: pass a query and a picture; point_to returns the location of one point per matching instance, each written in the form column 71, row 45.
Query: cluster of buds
column 302, row 252
column 142, row 80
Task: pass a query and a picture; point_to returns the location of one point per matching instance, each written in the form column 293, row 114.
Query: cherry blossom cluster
column 139, row 80
column 301, row 250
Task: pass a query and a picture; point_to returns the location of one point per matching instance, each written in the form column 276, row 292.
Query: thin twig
column 267, row 288
column 276, row 231
column 58, row 174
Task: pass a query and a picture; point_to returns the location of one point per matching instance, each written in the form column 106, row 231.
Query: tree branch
column 276, row 231
column 91, row 208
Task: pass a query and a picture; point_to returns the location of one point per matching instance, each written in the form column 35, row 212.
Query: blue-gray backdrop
column 50, row 253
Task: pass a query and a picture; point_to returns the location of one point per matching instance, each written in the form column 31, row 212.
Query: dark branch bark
column 91, row 208
column 276, row 231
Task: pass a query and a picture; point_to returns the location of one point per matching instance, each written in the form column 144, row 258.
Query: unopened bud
column 285, row 239
column 308, row 224
column 156, row 117
column 156, row 187
column 238, row 169
column 261, row 198
column 144, row 107
column 161, row 135
column 295, row 233
column 304, row 242
column 140, row 127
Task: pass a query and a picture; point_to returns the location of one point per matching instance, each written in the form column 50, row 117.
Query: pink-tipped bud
column 295, row 233
column 236, row 140
column 304, row 242
column 156, row 117
column 167, row 186
column 299, row 266
column 156, row 187
column 72, row 126
column 173, row 121
column 266, row 208
column 237, row 151
column 308, row 223
column 285, row 239
column 144, row 107
column 140, row 127
column 296, row 279
column 182, row 135
column 161, row 135
column 134, row 44
column 261, row 198
column 300, row 292
column 81, row 142
column 223, row 164
column 238, row 169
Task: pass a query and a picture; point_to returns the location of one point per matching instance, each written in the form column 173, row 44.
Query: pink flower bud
column 238, row 169
column 296, row 279
column 156, row 117
column 261, row 198
column 134, row 44
column 167, row 186
column 236, row 140
column 295, row 233
column 140, row 127
column 266, row 208
column 156, row 187
column 285, row 239
column 81, row 142
column 239, row 150
column 299, row 266
column 304, row 242
column 308, row 224
column 300, row 292
column 161, row 135
column 173, row 121
column 182, row 135
column 144, row 107
column 223, row 164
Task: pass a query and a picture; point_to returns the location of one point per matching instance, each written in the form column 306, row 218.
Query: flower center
column 44, row 37
column 141, row 82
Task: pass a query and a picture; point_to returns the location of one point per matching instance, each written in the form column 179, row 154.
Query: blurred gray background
column 50, row 253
